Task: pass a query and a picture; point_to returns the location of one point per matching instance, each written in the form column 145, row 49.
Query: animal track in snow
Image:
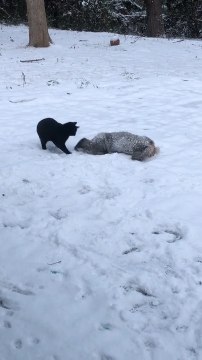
column 107, row 357
column 26, row 181
column 170, row 235
column 10, row 313
column 7, row 324
column 143, row 291
column 12, row 225
column 55, row 357
column 192, row 352
column 110, row 194
column 34, row 341
column 85, row 189
column 7, row 304
column 22, row 291
column 130, row 76
column 137, row 307
column 198, row 259
column 18, row 344
column 148, row 181
column 59, row 214
column 132, row 249
column 150, row 343
column 106, row 326
column 16, row 289
column 132, row 286
column 182, row 328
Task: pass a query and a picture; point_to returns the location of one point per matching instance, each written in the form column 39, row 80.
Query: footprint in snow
column 137, row 307
column 170, row 235
column 132, row 286
column 59, row 214
column 33, row 341
column 22, row 224
column 132, row 249
column 16, row 288
column 106, row 326
column 85, row 189
column 198, row 259
column 7, row 303
column 143, row 291
column 18, row 344
column 10, row 313
column 107, row 357
column 110, row 194
column 148, row 181
column 192, row 353
column 182, row 328
column 26, row 181
column 55, row 357
column 150, row 343
column 20, row 291
column 7, row 324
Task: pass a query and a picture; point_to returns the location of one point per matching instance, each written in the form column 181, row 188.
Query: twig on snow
column 32, row 60
column 57, row 262
column 23, row 79
column 21, row 101
column 178, row 41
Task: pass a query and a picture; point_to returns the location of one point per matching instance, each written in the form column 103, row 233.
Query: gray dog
column 139, row 147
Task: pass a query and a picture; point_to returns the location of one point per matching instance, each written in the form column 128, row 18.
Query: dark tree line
column 182, row 18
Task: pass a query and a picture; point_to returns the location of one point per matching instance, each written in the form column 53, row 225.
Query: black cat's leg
column 43, row 144
column 63, row 148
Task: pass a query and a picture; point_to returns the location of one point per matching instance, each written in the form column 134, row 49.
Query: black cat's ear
column 75, row 123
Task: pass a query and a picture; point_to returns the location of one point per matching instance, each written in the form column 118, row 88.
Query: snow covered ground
column 100, row 256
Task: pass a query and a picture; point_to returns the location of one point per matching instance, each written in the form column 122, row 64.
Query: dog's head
column 71, row 128
column 82, row 145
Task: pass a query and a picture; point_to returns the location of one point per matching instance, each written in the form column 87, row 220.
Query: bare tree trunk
column 155, row 26
column 38, row 29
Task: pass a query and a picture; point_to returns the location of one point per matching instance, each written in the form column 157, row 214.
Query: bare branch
column 5, row 12
column 30, row 61
column 20, row 101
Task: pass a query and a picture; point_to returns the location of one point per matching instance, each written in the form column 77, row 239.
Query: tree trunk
column 155, row 26
column 38, row 29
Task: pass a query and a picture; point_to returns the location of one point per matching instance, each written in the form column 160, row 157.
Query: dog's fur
column 139, row 147
column 50, row 130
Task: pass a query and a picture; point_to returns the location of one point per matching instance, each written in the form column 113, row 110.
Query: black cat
column 50, row 130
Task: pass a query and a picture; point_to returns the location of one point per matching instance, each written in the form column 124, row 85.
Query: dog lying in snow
column 50, row 130
column 139, row 147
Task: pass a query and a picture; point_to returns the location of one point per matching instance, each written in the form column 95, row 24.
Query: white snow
column 100, row 256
